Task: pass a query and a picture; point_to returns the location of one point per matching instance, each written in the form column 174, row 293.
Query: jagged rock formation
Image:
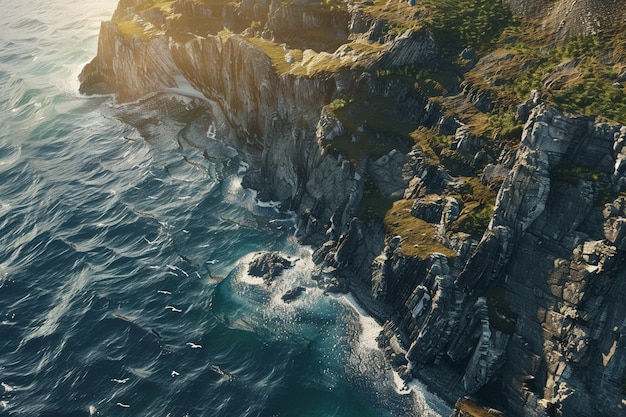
column 525, row 300
column 268, row 265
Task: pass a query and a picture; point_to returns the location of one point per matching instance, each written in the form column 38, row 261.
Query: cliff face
column 519, row 293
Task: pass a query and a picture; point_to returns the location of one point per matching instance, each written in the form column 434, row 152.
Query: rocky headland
column 458, row 167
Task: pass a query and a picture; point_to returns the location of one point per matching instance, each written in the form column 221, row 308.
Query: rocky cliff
column 492, row 248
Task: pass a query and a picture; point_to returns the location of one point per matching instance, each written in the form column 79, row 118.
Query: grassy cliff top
column 485, row 51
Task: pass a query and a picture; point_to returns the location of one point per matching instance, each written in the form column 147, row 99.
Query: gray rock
column 448, row 125
column 268, row 265
column 292, row 294
column 388, row 174
column 429, row 209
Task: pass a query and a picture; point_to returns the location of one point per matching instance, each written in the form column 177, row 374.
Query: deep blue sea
column 123, row 279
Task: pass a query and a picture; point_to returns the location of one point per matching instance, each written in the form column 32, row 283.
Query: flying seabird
column 120, row 381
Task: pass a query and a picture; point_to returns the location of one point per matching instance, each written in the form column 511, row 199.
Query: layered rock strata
column 532, row 310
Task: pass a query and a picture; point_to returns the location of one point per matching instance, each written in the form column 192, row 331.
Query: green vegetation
column 503, row 126
column 397, row 16
column 277, row 54
column 417, row 73
column 422, row 137
column 478, row 204
column 478, row 23
column 574, row 76
column 574, row 174
column 501, row 317
column 332, row 5
column 476, row 220
column 601, row 181
column 372, row 205
column 338, row 104
column 594, row 94
column 148, row 4
column 418, row 236
column 371, row 128
column 130, row 28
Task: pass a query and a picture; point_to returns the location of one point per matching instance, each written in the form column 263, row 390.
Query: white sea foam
column 268, row 204
column 370, row 329
column 234, row 193
column 424, row 403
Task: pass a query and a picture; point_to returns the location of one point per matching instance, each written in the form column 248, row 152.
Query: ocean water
column 123, row 284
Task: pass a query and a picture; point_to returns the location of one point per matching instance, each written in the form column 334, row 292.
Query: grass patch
column 130, row 28
column 501, row 317
column 503, row 126
column 359, row 55
column 338, row 104
column 371, row 128
column 574, row 174
column 478, row 205
column 459, row 23
column 148, row 4
column 319, row 64
column 601, row 181
column 584, row 89
column 423, row 138
column 398, row 16
column 468, row 408
column 372, row 205
column 592, row 95
column 277, row 54
column 320, row 38
column 418, row 236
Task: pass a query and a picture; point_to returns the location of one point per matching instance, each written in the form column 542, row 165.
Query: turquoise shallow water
column 120, row 255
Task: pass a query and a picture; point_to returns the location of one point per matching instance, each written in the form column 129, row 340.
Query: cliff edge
column 460, row 174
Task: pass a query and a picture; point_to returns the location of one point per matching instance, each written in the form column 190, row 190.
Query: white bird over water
column 120, row 381
column 174, row 309
column 194, row 346
column 175, row 374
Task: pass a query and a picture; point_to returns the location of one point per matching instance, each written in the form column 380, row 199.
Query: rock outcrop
column 268, row 265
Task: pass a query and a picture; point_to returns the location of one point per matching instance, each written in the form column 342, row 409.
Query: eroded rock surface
column 531, row 309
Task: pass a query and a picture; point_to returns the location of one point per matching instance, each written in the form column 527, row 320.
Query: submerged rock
column 292, row 294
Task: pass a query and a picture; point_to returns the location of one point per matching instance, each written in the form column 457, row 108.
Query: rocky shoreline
column 498, row 265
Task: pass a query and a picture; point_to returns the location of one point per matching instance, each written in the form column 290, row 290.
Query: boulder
column 268, row 265
column 292, row 294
